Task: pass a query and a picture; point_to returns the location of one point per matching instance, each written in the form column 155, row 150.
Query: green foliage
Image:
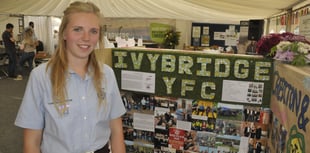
column 273, row 51
column 294, row 47
column 171, row 39
column 299, row 60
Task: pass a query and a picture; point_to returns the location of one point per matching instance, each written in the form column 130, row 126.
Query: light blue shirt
column 85, row 127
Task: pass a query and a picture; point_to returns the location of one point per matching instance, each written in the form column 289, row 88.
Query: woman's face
column 81, row 35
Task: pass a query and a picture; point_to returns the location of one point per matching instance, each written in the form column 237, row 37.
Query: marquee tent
column 212, row 11
column 43, row 12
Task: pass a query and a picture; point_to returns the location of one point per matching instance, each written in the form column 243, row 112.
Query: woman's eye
column 77, row 29
column 94, row 31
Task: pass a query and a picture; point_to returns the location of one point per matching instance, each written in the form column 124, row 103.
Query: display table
column 3, row 56
column 41, row 57
column 290, row 106
column 3, row 62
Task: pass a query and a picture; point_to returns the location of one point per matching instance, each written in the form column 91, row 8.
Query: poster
column 231, row 38
column 219, row 36
column 176, row 138
column 243, row 91
column 138, row 81
column 196, row 32
column 205, row 40
column 205, row 30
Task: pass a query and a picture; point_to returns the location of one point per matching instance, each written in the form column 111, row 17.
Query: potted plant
column 171, row 39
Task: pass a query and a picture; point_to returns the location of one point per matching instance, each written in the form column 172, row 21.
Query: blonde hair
column 28, row 37
column 59, row 62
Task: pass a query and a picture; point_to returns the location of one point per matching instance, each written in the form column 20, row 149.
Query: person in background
column 31, row 25
column 72, row 102
column 251, row 48
column 40, row 46
column 10, row 49
column 28, row 48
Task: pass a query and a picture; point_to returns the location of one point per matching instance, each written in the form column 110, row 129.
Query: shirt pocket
column 66, row 114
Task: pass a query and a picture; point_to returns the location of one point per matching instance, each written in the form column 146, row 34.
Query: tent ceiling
column 212, row 11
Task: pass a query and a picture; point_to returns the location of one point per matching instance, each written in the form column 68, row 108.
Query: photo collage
column 154, row 124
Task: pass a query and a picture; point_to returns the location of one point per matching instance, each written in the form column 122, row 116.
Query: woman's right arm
column 22, row 46
column 32, row 140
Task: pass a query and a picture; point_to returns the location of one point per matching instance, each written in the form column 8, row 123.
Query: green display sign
column 196, row 75
column 158, row 31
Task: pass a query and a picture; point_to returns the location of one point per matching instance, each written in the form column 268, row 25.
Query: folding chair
column 3, row 63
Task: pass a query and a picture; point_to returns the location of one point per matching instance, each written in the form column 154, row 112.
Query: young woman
column 28, row 47
column 72, row 103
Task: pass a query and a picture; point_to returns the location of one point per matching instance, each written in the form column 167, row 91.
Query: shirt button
column 83, row 97
column 85, row 118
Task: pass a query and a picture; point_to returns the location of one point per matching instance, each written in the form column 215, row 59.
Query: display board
column 197, row 75
column 208, row 34
column 290, row 105
column 189, row 101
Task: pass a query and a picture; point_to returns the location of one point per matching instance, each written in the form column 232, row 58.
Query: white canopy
column 211, row 11
column 42, row 12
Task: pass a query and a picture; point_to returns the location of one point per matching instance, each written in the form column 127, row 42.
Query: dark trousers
column 104, row 149
column 12, row 62
column 25, row 57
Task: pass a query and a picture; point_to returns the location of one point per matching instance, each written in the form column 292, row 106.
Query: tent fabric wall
column 4, row 19
column 207, row 11
column 224, row 11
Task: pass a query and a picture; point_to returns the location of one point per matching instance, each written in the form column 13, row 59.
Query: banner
column 290, row 104
column 195, row 75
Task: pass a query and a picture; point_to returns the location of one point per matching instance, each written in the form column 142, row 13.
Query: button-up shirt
column 84, row 126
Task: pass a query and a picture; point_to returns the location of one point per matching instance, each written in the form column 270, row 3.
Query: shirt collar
column 88, row 74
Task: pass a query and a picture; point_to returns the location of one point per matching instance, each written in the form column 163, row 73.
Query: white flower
column 283, row 46
column 303, row 48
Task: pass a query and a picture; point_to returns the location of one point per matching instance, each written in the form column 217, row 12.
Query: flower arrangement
column 288, row 47
column 171, row 39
